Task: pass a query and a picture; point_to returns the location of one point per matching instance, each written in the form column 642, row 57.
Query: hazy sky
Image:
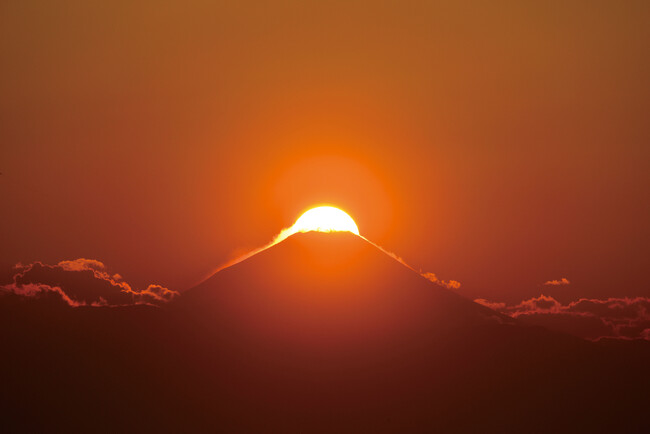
column 500, row 144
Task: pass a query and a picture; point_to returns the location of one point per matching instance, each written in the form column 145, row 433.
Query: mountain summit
column 322, row 332
column 332, row 284
column 326, row 332
column 328, row 322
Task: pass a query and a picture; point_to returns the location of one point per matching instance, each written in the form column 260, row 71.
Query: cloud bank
column 627, row 317
column 82, row 282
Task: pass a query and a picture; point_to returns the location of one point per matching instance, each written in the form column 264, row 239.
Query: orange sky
column 501, row 144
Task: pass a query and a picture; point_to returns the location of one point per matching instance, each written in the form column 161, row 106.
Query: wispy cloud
column 449, row 284
column 626, row 317
column 82, row 282
column 562, row 281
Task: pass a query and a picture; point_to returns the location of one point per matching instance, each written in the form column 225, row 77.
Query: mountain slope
column 325, row 332
column 320, row 333
column 335, row 283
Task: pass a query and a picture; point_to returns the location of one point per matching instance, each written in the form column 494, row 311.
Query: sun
column 325, row 219
column 319, row 219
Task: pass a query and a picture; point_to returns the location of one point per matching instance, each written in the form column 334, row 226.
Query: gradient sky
column 500, row 144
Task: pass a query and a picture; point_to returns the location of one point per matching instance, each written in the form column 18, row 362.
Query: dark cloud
column 82, row 282
column 627, row 317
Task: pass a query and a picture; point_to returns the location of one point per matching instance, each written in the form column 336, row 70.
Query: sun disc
column 325, row 219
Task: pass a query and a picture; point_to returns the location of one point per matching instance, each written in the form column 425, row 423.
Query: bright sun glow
column 319, row 219
column 325, row 219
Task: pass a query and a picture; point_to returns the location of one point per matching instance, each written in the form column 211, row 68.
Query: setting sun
column 325, row 219
column 318, row 219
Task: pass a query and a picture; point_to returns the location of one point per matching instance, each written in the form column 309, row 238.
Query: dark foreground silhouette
column 320, row 333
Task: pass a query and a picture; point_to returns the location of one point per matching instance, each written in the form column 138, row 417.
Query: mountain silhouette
column 335, row 285
column 336, row 335
column 322, row 332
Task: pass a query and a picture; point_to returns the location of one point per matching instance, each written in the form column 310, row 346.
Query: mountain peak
column 333, row 283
